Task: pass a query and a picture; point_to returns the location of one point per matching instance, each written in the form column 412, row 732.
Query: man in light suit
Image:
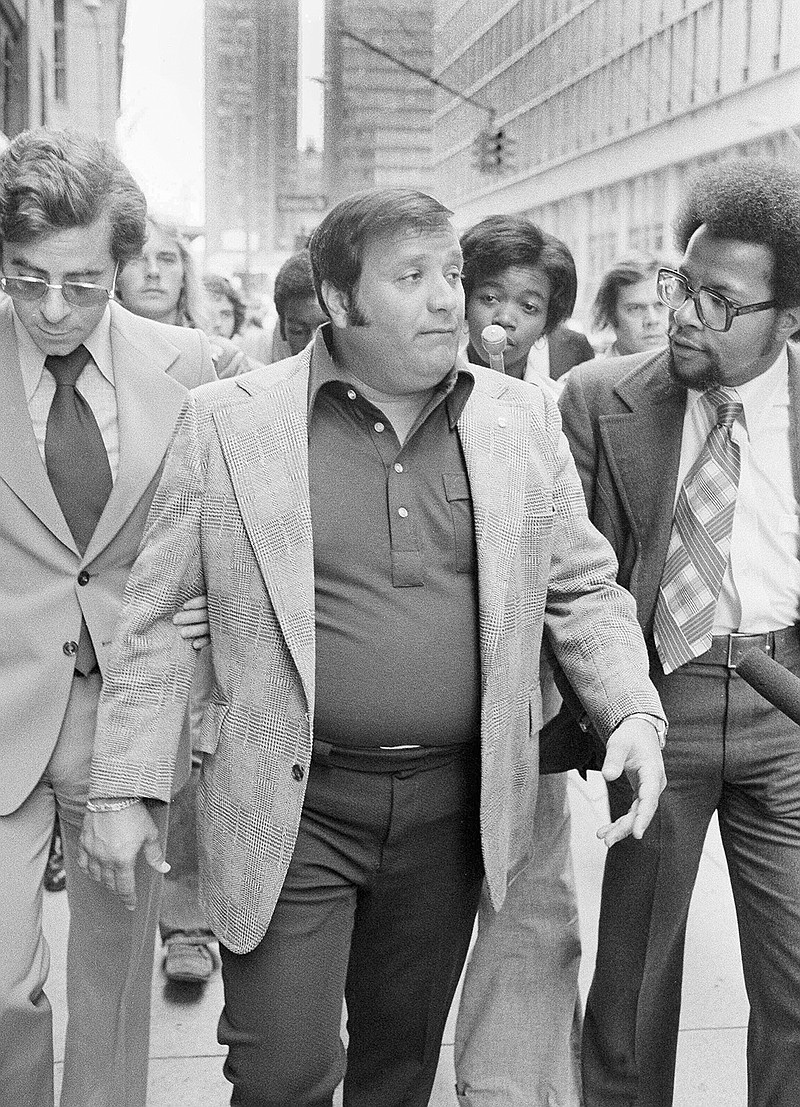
column 690, row 463
column 383, row 532
column 89, row 396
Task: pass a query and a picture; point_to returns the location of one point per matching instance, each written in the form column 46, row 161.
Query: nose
column 444, row 295
column 686, row 315
column 655, row 313
column 505, row 316
column 53, row 305
column 151, row 266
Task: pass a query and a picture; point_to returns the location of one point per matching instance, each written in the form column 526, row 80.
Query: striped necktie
column 700, row 542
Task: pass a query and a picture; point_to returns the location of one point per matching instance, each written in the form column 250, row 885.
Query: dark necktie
column 77, row 465
column 700, row 542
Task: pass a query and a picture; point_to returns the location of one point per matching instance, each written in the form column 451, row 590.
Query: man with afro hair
column 690, row 461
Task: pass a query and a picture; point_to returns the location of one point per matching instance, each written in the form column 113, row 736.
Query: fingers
column 614, row 832
column 155, row 856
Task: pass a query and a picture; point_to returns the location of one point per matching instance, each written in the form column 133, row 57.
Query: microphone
column 494, row 340
column 772, row 681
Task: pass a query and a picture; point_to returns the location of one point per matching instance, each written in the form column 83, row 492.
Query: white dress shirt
column 761, row 587
column 95, row 384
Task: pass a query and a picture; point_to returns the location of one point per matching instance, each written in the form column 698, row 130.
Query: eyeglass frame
column 46, row 285
column 731, row 309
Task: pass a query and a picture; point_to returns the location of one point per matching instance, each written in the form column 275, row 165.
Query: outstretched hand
column 634, row 749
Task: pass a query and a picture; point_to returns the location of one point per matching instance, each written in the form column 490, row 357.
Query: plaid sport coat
column 232, row 519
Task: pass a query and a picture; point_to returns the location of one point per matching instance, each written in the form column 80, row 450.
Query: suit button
column 83, row 577
column 70, row 648
column 298, row 772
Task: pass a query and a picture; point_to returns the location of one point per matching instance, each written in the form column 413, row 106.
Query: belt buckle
column 740, row 644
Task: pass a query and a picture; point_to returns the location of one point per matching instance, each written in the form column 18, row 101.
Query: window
column 59, row 52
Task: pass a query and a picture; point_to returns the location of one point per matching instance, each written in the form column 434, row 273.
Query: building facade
column 611, row 104
column 81, row 76
column 378, row 114
column 251, row 134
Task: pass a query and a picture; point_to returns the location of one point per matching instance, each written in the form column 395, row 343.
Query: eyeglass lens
column 711, row 309
column 32, row 288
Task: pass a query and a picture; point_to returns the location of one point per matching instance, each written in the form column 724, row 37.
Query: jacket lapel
column 148, row 404
column 496, row 442
column 265, row 445
column 643, row 447
column 21, row 465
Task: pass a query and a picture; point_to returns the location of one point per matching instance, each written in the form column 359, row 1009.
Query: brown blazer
column 41, row 599
column 232, row 518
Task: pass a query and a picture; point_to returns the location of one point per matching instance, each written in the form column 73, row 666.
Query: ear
column 337, row 304
column 789, row 320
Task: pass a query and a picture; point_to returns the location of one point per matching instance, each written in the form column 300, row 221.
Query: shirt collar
column 31, row 358
column 455, row 388
column 759, row 394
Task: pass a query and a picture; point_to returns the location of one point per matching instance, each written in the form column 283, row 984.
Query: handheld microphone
column 494, row 340
column 772, row 681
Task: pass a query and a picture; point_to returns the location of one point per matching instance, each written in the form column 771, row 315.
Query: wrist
column 103, row 805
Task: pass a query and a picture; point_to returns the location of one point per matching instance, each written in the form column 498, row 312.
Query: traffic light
column 492, row 150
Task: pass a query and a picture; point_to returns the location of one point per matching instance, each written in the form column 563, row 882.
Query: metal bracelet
column 101, row 807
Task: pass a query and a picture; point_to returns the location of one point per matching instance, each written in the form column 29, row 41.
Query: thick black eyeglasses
column 76, row 293
column 713, row 310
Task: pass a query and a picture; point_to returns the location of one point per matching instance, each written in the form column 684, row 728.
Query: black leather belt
column 729, row 649
column 377, row 759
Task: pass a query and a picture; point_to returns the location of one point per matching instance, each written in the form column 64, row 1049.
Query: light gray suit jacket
column 40, row 598
column 232, row 518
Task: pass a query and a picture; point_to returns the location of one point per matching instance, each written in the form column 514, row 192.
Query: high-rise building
column 251, row 133
column 611, row 104
column 81, row 79
column 378, row 113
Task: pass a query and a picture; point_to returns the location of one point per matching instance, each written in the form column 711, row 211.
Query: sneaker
column 187, row 961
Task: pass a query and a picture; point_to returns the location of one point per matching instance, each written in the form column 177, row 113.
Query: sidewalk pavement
column 186, row 1061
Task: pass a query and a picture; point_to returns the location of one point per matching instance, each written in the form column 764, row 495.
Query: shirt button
column 502, row 421
column 398, row 468
column 83, row 577
column 351, row 394
column 298, row 772
column 379, row 427
column 402, row 512
column 70, row 648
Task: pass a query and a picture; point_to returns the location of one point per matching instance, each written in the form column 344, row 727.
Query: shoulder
column 257, row 386
column 603, row 377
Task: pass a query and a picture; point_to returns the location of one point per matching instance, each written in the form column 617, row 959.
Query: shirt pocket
column 459, row 499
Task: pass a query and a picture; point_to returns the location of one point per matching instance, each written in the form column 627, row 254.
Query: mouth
column 676, row 340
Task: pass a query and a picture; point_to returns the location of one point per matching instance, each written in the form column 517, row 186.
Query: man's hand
column 110, row 843
column 192, row 620
column 634, row 748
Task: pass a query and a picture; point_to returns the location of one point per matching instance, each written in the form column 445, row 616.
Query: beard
column 709, row 368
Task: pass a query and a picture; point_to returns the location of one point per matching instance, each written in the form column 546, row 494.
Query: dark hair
column 497, row 243
column 622, row 274
column 750, row 200
column 338, row 244
column 217, row 285
column 56, row 180
column 293, row 281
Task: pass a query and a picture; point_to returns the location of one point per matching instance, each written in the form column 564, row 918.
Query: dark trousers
column 377, row 907
column 727, row 751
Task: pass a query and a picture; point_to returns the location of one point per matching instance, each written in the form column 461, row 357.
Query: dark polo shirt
column 397, row 654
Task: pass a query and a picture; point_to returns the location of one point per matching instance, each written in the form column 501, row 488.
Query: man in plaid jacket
column 383, row 532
